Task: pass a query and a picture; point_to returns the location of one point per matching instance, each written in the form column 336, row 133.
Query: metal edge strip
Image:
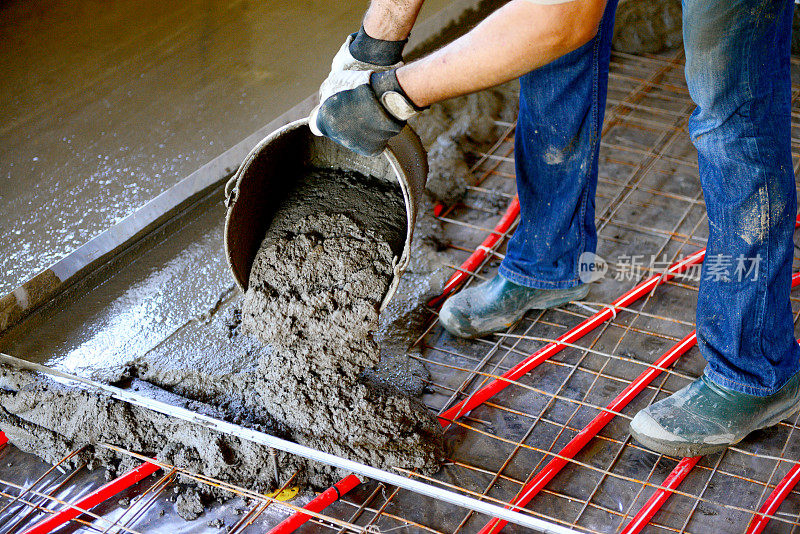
column 290, row 447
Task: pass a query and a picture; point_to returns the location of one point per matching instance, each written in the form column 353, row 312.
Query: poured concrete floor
column 104, row 105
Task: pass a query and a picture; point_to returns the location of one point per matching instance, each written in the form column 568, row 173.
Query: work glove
column 362, row 52
column 362, row 110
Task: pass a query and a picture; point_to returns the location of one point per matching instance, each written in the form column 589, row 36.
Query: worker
column 737, row 70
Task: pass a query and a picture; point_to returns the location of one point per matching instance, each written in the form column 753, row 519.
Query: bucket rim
column 407, row 160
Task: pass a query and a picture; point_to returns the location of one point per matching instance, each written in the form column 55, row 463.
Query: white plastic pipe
column 296, row 449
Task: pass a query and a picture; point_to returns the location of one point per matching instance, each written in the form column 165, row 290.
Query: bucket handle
column 231, row 191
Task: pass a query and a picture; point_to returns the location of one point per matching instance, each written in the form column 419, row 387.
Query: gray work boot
column 497, row 304
column 704, row 418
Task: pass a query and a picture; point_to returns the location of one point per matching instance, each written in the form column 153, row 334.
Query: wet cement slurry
column 166, row 319
column 315, row 289
column 105, row 105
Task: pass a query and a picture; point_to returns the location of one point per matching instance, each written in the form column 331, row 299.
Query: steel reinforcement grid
column 536, row 417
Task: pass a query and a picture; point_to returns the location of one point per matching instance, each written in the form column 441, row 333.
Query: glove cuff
column 392, row 96
column 376, row 51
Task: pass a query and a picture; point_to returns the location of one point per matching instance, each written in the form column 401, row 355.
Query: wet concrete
column 315, row 289
column 166, row 316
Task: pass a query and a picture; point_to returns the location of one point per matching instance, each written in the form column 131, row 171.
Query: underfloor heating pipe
column 103, row 493
column 774, row 500
column 456, row 280
column 609, row 312
column 660, row 496
column 551, row 349
column 554, row 466
column 322, row 501
column 590, row 431
column 570, row 337
column 425, row 489
column 480, row 253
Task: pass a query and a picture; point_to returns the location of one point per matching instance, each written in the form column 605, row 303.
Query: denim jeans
column 737, row 70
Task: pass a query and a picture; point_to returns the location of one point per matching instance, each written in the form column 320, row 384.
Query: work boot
column 497, row 304
column 704, row 417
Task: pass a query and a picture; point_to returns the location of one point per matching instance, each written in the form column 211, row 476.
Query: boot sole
column 702, row 449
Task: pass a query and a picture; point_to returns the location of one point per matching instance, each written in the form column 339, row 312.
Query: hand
column 351, row 113
column 347, row 90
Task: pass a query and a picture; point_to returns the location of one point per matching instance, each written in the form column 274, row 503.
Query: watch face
column 397, row 105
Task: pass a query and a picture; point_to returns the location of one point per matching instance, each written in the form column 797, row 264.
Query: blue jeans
column 737, row 70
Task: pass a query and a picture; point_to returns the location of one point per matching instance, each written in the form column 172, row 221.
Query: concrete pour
column 300, row 389
column 51, row 419
column 315, row 289
column 231, row 380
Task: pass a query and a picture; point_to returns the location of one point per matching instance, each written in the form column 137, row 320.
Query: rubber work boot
column 704, row 417
column 497, row 304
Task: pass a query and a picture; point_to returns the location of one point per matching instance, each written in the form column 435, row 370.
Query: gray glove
column 362, row 110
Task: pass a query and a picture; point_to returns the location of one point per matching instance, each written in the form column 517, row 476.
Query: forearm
column 516, row 39
column 391, row 20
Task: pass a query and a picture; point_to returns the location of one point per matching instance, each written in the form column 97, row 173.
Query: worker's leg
column 737, row 68
column 557, row 142
column 738, row 74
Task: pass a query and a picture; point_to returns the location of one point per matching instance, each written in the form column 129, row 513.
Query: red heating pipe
column 784, row 487
column 629, row 297
column 576, row 333
column 455, row 411
column 321, row 502
column 571, row 336
column 475, row 259
column 661, row 495
column 576, row 444
column 123, row 482
column 88, row 502
column 554, row 466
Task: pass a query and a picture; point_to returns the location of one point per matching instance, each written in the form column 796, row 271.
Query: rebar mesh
column 649, row 205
